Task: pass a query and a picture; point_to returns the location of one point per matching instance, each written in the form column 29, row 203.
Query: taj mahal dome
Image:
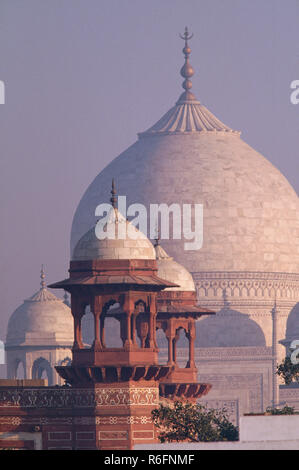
column 247, row 269
column 249, row 260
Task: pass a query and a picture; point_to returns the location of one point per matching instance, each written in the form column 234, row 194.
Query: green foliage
column 288, row 371
column 286, row 410
column 193, row 422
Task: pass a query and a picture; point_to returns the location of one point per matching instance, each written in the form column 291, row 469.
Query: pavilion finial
column 157, row 239
column 42, row 276
column 187, row 71
column 113, row 195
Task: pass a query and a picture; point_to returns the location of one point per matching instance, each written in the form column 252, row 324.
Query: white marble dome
column 172, row 271
column 129, row 242
column 250, row 211
column 42, row 320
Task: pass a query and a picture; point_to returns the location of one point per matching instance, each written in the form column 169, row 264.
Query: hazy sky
column 82, row 77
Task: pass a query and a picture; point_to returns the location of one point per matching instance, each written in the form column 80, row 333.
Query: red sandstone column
column 191, row 337
column 155, row 331
column 170, row 351
column 174, row 348
column 97, row 310
column 77, row 312
column 152, row 314
column 170, row 337
column 102, row 330
column 128, row 341
column 134, row 328
column 128, row 308
column 150, row 333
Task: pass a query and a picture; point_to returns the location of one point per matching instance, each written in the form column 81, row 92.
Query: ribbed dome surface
column 187, row 116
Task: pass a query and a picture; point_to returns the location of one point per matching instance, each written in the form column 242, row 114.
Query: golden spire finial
column 187, row 71
column 113, row 195
column 42, row 276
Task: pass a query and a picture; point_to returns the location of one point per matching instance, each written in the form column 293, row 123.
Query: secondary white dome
column 42, row 320
column 172, row 271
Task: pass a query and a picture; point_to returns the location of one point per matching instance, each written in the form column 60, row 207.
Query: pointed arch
column 181, row 344
column 41, row 369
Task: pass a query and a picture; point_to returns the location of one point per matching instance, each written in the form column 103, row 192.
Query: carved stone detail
column 64, row 398
column 260, row 285
column 252, row 353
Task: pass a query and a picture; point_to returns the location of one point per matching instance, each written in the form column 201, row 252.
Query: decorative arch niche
column 41, row 369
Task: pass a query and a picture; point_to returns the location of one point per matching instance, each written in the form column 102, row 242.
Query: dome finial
column 113, row 195
column 187, row 71
column 42, row 276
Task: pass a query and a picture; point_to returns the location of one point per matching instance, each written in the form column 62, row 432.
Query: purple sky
column 83, row 77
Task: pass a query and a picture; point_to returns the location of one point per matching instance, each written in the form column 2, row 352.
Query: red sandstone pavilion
column 110, row 392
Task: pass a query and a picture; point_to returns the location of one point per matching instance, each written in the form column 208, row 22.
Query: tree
column 194, row 423
column 288, row 371
column 286, row 410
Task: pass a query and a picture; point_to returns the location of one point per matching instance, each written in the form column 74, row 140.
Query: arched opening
column 142, row 324
column 42, row 369
column 139, row 323
column 19, row 370
column 228, row 328
column 112, row 333
column 181, row 349
column 162, row 345
column 87, row 327
column 292, row 329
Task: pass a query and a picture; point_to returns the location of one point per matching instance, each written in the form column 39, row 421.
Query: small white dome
column 172, row 271
column 43, row 319
column 128, row 241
